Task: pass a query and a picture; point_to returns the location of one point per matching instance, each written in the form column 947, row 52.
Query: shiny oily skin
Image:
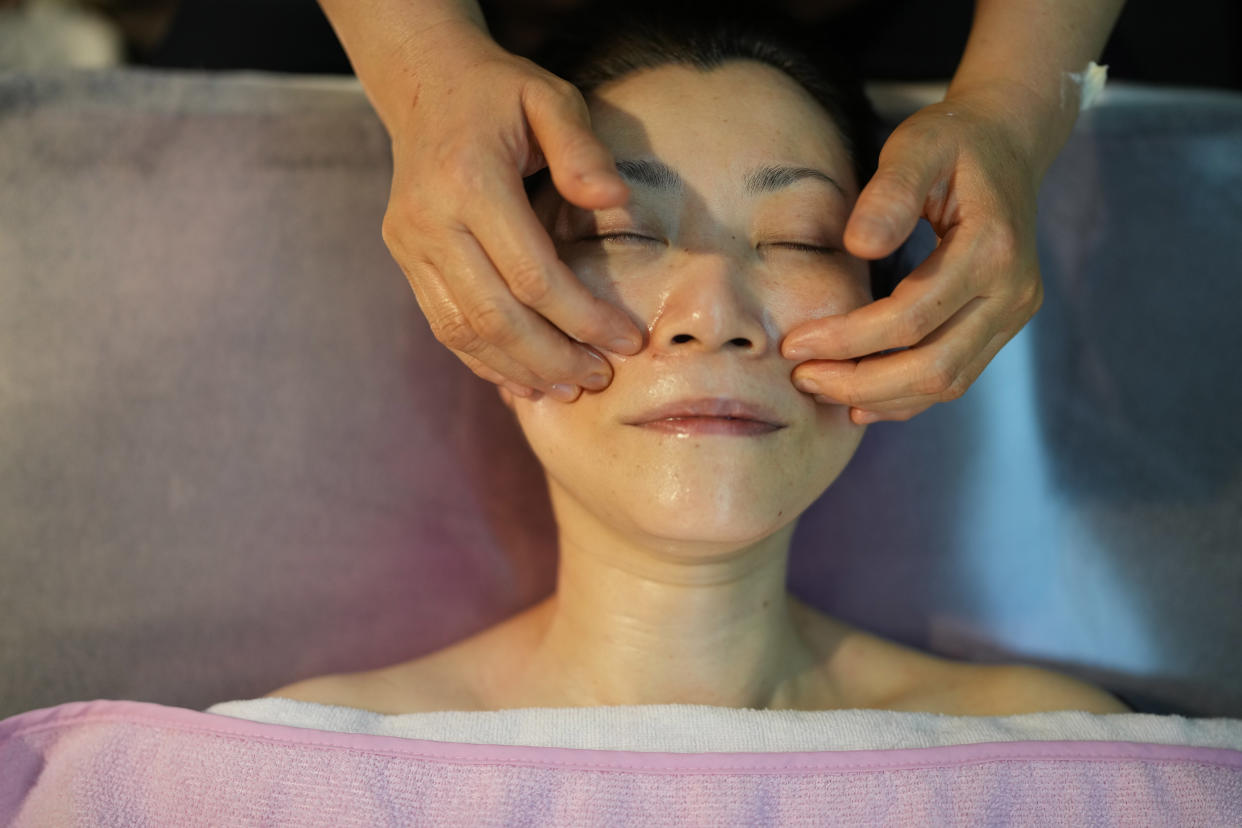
column 673, row 548
column 717, row 276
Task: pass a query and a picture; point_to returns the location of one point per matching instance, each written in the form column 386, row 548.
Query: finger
column 518, row 246
column 491, row 376
column 453, row 330
column 907, row 407
column 890, row 205
column 523, row 336
column 931, row 368
column 922, row 302
column 582, row 168
column 861, row 416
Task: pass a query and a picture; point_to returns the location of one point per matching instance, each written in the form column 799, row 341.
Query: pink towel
column 133, row 763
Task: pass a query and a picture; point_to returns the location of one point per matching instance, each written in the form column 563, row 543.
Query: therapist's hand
column 481, row 265
column 959, row 164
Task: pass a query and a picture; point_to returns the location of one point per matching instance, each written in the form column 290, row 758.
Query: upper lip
column 710, row 407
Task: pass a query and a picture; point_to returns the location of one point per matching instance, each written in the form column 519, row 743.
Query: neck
column 644, row 621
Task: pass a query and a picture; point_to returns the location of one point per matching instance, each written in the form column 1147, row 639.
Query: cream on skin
column 674, row 547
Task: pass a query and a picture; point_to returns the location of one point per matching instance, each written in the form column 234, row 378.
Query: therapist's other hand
column 958, row 164
column 481, row 265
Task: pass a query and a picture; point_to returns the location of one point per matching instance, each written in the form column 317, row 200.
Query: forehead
column 728, row 119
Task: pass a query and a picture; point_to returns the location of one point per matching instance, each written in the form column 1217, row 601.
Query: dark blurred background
column 1191, row 43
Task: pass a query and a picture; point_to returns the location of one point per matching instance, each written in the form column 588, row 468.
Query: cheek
column 796, row 301
column 566, row 436
column 602, row 277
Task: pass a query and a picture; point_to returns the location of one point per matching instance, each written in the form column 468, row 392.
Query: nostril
column 737, row 340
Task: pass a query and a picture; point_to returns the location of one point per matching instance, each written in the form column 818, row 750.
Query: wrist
column 389, row 42
column 1038, row 124
column 430, row 58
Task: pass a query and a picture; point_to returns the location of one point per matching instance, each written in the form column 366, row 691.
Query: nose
column 711, row 306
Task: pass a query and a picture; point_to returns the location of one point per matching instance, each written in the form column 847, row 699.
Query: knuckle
column 956, row 389
column 555, row 93
column 567, row 93
column 909, row 134
column 913, row 326
column 528, row 282
column 403, row 226
column 899, row 185
column 462, row 169
column 935, row 380
column 1003, row 244
column 390, row 227
column 454, row 331
column 1033, row 299
column 493, row 321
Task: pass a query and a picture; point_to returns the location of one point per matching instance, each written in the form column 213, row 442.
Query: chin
column 726, row 491
column 724, row 509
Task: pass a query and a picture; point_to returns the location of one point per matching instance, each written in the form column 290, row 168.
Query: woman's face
column 717, row 280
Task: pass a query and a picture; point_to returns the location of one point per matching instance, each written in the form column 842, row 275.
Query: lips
column 721, row 407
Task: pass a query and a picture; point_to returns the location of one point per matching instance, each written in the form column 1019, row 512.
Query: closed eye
column 618, row 236
column 809, row 248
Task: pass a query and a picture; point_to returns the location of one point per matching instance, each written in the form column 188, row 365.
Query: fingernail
column 867, row 417
column 598, row 378
column 599, row 179
column 624, row 345
column 797, row 352
column 807, row 385
column 565, row 393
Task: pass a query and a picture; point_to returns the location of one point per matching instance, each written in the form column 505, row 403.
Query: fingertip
column 795, row 353
column 862, row 417
column 595, row 188
column 601, row 179
column 869, row 236
column 798, row 338
column 625, row 345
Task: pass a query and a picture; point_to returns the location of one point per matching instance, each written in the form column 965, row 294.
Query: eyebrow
column 763, row 179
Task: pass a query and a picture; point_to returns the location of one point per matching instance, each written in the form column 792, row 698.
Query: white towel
column 691, row 728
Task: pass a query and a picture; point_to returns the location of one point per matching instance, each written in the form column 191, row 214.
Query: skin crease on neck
column 674, row 547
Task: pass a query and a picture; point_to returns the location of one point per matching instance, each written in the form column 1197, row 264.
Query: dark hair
column 595, row 46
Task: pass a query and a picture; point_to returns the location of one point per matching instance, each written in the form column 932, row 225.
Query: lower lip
column 711, row 425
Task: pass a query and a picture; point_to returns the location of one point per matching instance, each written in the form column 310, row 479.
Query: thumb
column 582, row 168
column 892, row 202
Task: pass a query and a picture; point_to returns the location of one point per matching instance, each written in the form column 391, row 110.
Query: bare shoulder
column 966, row 689
column 336, row 689
column 885, row 674
column 389, row 690
column 451, row 678
column 1027, row 689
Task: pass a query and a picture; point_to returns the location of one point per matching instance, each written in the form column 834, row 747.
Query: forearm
column 1020, row 52
column 384, row 39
